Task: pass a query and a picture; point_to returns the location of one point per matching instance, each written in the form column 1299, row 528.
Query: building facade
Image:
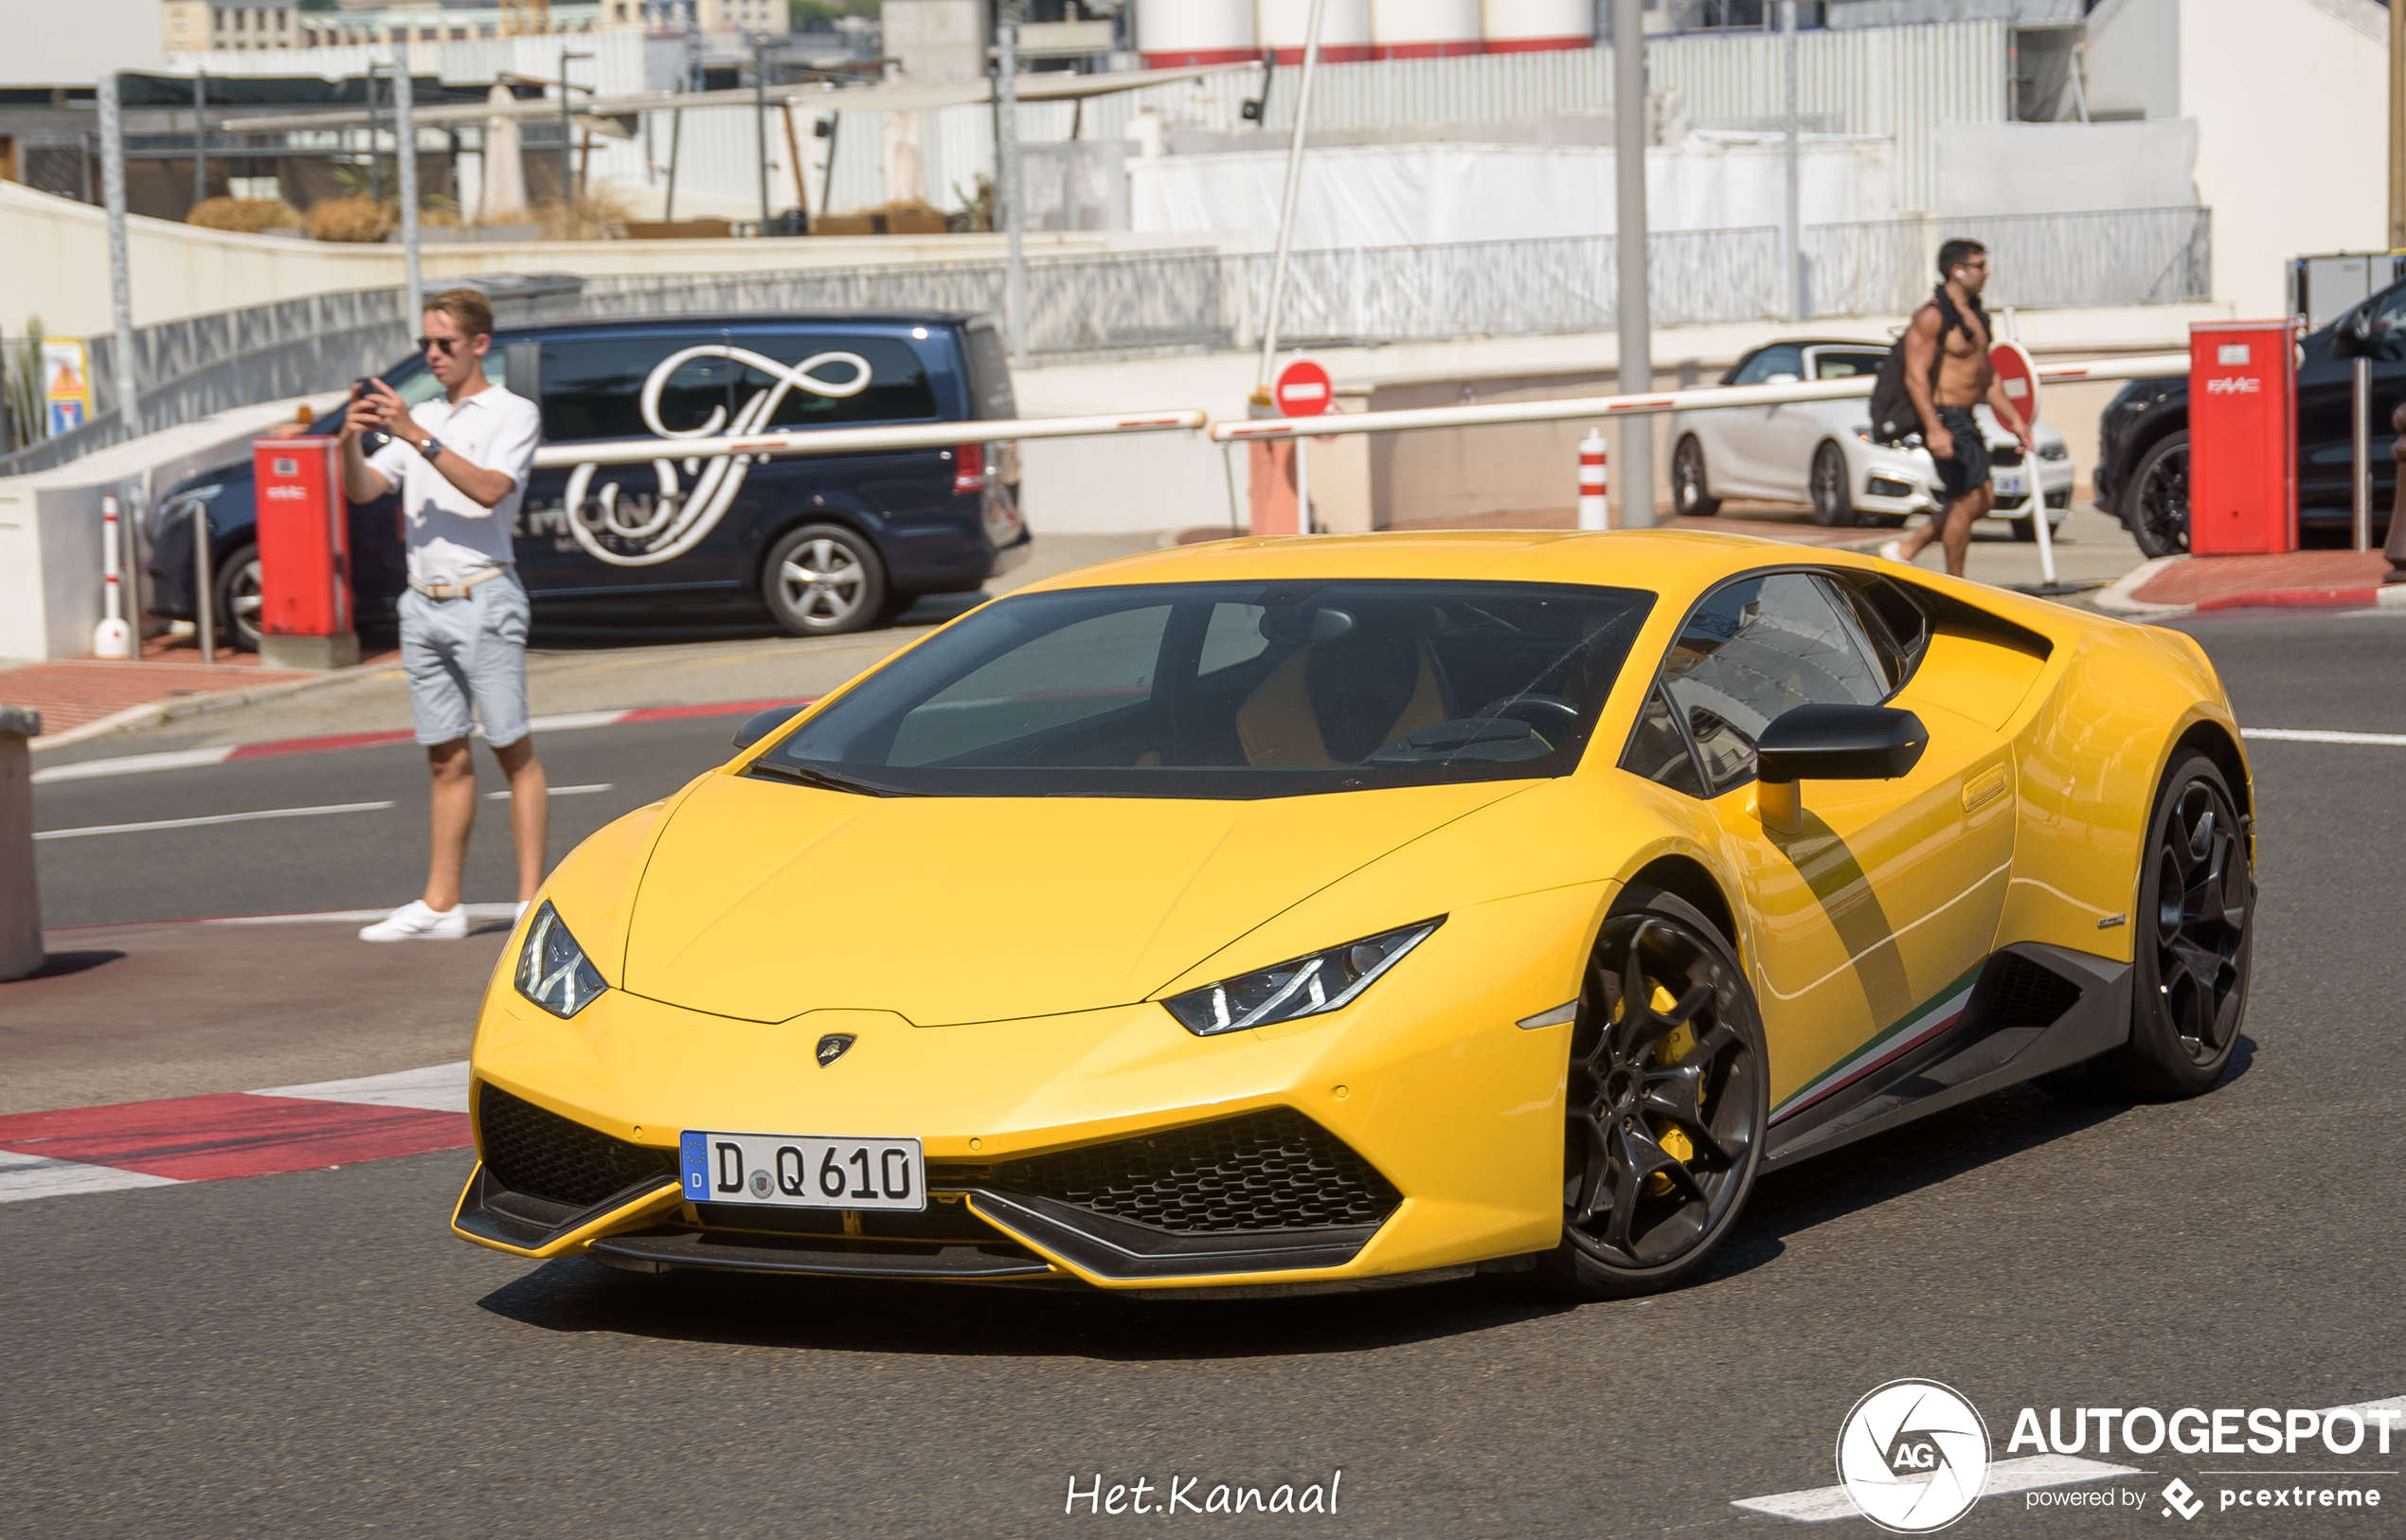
column 235, row 26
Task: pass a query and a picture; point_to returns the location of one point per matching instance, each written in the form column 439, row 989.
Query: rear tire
column 235, row 606
column 1667, row 1102
column 823, row 580
column 1832, row 499
column 2192, row 937
column 2156, row 510
column 1691, row 493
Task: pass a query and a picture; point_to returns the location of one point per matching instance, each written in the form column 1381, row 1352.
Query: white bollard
column 112, row 638
column 1595, row 476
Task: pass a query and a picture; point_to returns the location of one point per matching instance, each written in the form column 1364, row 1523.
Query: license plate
column 2009, row 484
column 791, row 1170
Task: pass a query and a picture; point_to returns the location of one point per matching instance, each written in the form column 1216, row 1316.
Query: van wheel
column 235, row 606
column 823, row 580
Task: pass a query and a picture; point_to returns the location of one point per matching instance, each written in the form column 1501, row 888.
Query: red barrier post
column 2242, row 438
column 304, row 555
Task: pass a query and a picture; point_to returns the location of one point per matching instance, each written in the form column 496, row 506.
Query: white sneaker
column 1892, row 550
column 414, row 921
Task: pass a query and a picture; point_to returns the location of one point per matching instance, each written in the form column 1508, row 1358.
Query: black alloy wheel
column 2196, row 932
column 1833, row 501
column 824, row 580
column 1667, row 1102
column 237, row 600
column 1691, row 494
column 2157, row 506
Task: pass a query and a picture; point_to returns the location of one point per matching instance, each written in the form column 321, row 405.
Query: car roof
column 648, row 325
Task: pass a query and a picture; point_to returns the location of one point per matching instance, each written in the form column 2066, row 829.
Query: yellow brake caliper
column 1671, row 1051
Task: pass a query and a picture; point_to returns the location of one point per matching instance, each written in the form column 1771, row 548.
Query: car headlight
column 552, row 970
column 1307, row 986
column 2055, row 452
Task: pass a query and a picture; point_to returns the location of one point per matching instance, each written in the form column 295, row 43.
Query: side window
column 593, row 390
column 1829, row 364
column 1892, row 626
column 989, row 372
column 1659, row 751
column 2389, row 325
column 1780, row 358
column 898, row 389
column 1753, row 649
column 1233, row 635
column 417, row 385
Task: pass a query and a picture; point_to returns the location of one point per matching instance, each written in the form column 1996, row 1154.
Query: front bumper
column 1418, row 1130
column 1897, row 482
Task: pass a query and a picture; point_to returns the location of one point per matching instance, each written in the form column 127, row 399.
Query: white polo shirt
column 450, row 536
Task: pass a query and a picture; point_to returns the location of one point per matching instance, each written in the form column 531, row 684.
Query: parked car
column 1820, row 453
column 2143, row 437
column 825, row 544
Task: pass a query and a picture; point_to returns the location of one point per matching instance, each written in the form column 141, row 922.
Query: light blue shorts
column 467, row 655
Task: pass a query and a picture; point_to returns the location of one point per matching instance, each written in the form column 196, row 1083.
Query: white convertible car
column 1820, row 453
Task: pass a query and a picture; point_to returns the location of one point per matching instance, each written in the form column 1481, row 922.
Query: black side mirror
column 1839, row 743
column 2352, row 334
column 760, row 724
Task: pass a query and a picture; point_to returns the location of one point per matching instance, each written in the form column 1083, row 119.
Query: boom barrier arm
column 858, row 440
column 1710, row 398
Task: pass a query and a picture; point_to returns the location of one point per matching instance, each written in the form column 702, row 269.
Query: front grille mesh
column 2029, row 994
column 1274, row 1170
column 546, row 1156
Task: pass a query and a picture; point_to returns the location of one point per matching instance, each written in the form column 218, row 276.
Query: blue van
column 825, row 544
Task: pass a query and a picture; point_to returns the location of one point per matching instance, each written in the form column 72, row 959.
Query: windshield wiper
column 826, row 781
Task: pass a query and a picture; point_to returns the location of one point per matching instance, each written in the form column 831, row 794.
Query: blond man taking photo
column 460, row 463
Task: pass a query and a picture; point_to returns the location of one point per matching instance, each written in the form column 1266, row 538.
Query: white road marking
column 2312, row 735
column 503, row 796
column 127, row 764
column 434, row 1088
column 214, row 817
column 567, row 721
column 24, row 1176
column 1820, row 1505
column 356, row 916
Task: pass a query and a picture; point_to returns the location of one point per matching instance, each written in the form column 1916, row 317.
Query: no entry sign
column 2020, row 377
column 1303, row 389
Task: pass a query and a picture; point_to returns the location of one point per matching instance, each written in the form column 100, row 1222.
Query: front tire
column 2194, row 937
column 823, row 580
column 2157, row 510
column 1691, row 493
column 1667, row 1102
column 1833, row 499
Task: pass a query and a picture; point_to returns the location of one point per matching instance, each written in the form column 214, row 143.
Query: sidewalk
column 2316, row 578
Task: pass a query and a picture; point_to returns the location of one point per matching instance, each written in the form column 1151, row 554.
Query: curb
column 2119, row 597
column 191, row 759
column 152, row 713
column 2347, row 598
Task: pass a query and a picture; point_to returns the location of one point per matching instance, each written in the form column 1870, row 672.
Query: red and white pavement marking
column 189, row 758
column 205, row 1139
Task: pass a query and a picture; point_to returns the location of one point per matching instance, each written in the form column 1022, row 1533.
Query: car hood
column 762, row 899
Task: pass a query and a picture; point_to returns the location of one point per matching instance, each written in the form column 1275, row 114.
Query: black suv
column 825, row 543
column 2142, row 438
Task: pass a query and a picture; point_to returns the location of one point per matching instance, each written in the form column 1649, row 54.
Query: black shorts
column 1969, row 468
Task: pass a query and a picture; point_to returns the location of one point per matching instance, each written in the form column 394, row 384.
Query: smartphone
column 374, row 438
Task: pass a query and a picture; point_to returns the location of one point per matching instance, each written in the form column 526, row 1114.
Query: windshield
column 1230, row 691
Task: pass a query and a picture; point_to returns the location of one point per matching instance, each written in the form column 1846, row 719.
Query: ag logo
column 832, row 1047
column 1913, row 1455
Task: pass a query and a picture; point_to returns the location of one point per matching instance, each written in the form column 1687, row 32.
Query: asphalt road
column 310, row 1354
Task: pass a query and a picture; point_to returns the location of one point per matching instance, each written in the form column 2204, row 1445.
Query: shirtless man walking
column 1946, row 374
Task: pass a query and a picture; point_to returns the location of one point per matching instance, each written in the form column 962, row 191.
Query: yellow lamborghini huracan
column 1318, row 913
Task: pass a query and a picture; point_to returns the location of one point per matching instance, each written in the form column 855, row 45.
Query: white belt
column 456, row 590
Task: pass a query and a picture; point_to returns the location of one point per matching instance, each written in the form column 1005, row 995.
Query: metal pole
column 375, row 158
column 121, row 276
column 1630, row 243
column 200, row 135
column 203, row 588
column 2397, row 134
column 567, row 147
column 760, row 120
column 2360, row 469
column 1294, row 186
column 1008, row 192
column 1303, row 486
column 677, row 141
column 405, row 165
column 1795, row 226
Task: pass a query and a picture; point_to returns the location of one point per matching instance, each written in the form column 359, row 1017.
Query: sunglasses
column 448, row 345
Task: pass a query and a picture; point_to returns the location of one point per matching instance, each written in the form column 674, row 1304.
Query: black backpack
column 1892, row 414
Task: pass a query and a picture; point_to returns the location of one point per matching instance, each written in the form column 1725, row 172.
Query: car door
column 646, row 530
column 1749, row 433
column 1862, row 927
column 2325, row 399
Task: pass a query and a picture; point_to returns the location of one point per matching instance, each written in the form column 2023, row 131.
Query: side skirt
column 2032, row 1010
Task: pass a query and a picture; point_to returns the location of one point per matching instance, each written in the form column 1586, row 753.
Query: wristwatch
column 430, row 447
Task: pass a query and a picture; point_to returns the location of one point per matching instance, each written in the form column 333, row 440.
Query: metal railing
column 2121, row 257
